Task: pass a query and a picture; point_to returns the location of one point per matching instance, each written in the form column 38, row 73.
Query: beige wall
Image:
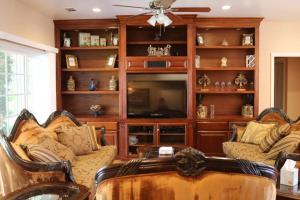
column 274, row 37
column 19, row 19
column 293, row 87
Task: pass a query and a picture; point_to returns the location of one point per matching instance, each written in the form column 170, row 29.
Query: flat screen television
column 156, row 96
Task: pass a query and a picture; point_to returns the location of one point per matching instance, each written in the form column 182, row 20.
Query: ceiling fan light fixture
column 161, row 18
column 167, row 21
column 152, row 20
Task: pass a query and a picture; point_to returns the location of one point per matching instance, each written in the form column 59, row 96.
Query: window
column 13, row 87
column 26, row 81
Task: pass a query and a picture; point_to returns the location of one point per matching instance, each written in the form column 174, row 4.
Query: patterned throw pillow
column 256, row 131
column 63, row 152
column 41, row 154
column 79, row 139
column 240, row 130
column 288, row 144
column 275, row 135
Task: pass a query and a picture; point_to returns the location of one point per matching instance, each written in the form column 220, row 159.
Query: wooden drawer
column 109, row 126
column 212, row 126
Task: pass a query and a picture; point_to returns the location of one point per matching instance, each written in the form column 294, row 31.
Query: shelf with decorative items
column 226, row 69
column 88, row 64
column 156, row 41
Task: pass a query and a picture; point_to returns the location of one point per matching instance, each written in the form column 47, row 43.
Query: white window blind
column 27, row 80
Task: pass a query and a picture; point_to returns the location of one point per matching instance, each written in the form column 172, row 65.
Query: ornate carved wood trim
column 267, row 111
column 26, row 115
column 188, row 162
column 33, row 166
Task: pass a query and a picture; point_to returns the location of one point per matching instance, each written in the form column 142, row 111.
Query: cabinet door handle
column 129, row 64
column 185, row 64
column 145, row 64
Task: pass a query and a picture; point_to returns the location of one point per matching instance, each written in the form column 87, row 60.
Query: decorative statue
column 204, row 81
column 93, row 85
column 200, row 39
column 224, row 42
column 113, row 84
column 71, row 84
column 241, row 82
column 224, row 62
column 159, row 51
column 96, row 109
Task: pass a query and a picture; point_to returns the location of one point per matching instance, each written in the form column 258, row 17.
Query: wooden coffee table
column 285, row 192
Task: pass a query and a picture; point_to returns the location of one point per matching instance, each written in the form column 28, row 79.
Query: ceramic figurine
column 224, row 62
column 241, row 82
column 224, row 42
column 113, row 84
column 200, row 39
column 71, row 84
column 93, row 85
column 115, row 40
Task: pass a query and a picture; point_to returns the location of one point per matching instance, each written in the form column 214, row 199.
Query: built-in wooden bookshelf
column 132, row 58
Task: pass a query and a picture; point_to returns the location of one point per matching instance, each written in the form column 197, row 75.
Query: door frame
column 273, row 56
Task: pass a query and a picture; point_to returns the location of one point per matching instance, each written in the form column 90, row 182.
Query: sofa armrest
column 63, row 167
column 102, row 140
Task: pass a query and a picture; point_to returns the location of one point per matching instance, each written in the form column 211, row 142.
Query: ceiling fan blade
column 191, row 9
column 174, row 15
column 138, row 7
column 130, row 17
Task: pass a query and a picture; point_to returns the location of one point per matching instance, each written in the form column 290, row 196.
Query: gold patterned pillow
column 276, row 134
column 240, row 130
column 63, row 152
column 288, row 144
column 77, row 138
column 256, row 131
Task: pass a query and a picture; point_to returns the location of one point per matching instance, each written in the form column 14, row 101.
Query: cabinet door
column 139, row 136
column 111, row 129
column 171, row 134
column 210, row 136
column 210, row 142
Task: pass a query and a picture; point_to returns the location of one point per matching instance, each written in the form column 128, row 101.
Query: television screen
column 157, row 95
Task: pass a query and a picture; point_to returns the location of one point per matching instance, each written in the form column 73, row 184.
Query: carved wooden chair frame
column 281, row 115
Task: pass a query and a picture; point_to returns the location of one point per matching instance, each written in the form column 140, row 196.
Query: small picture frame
column 103, row 42
column 250, row 61
column 71, row 61
column 95, row 40
column 111, row 60
column 247, row 40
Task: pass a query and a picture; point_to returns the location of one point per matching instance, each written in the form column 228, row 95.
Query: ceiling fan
column 161, row 8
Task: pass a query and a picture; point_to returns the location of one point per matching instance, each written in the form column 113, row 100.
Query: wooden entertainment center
column 135, row 36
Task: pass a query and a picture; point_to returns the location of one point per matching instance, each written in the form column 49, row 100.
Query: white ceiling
column 269, row 9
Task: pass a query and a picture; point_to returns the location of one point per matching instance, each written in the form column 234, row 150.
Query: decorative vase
column 113, row 84
column 202, row 111
column 71, row 84
column 93, row 85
